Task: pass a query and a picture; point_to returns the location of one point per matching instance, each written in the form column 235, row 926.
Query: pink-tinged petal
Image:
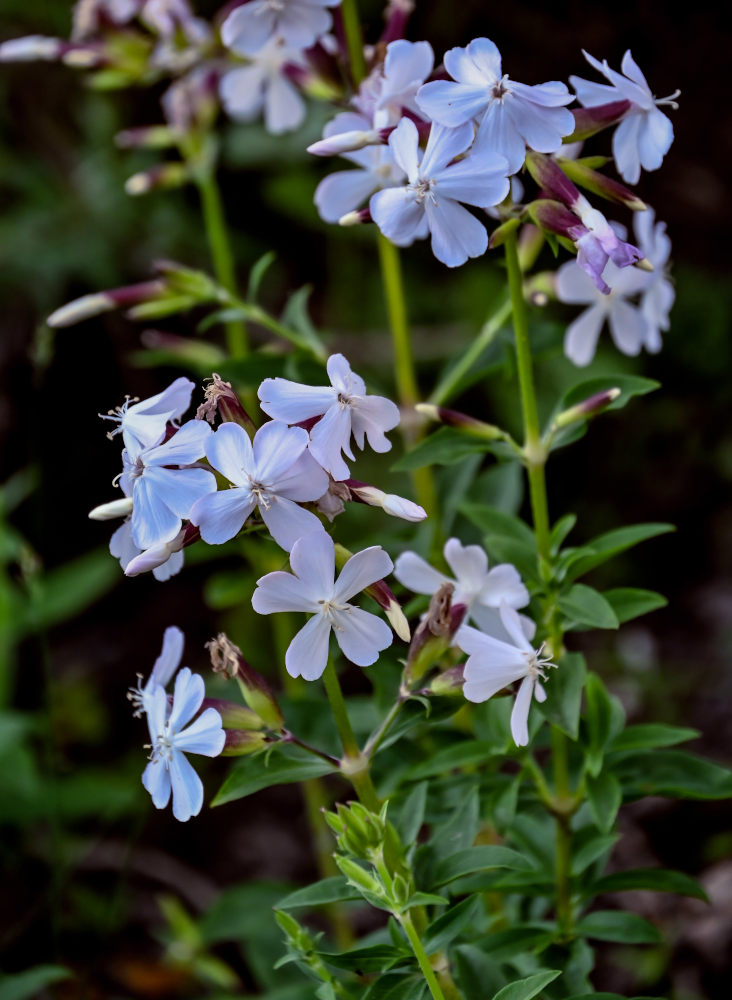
column 346, row 121
column 625, row 148
column 205, row 735
column 300, row 25
column 469, row 563
column 221, row 516
column 229, row 451
column 152, row 520
column 654, row 139
column 170, row 656
column 580, row 341
column 417, row 575
column 361, row 570
column 482, row 681
column 361, row 635
column 313, row 561
column 575, row 286
column 187, row 697
column 443, row 145
column 503, row 583
column 156, row 780
column 286, row 522
column 282, row 591
column 307, row 654
column 179, row 489
column 276, row 449
column 185, row 447
column 242, row 92
column 282, row 399
column 498, row 134
column 404, row 143
column 284, row 108
column 407, row 62
column 187, row 788
column 329, row 437
column 628, row 328
column 452, row 104
column 520, row 713
column 593, row 258
column 512, row 624
column 342, row 192
column 398, row 215
column 304, row 481
column 456, row 234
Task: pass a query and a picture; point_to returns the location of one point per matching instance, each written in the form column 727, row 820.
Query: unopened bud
column 554, row 217
column 355, row 218
column 346, row 142
column 147, row 137
column 499, row 235
column 156, row 556
column 396, row 16
column 234, row 716
column 227, row 658
column 31, row 48
column 390, row 503
column 159, row 178
column 238, row 743
column 101, row 302
column 448, row 682
column 112, row 510
column 188, row 280
column 599, row 184
column 551, row 178
column 200, row 354
column 453, row 418
column 361, row 879
column 644, row 264
column 589, row 121
column 589, row 407
column 220, row 398
column 83, row 57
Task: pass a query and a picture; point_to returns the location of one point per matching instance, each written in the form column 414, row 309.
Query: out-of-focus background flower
column 93, row 878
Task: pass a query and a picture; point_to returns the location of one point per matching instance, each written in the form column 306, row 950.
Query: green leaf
column 295, row 315
column 478, row 859
column 27, row 985
column 620, row 927
column 505, row 945
column 629, row 385
column 411, row 814
column 632, row 602
column 586, row 606
column 284, row 765
column 498, row 522
column 443, row 931
column 651, row 735
column 371, row 958
column 611, row 544
column 656, row 879
column 327, row 890
column 396, row 986
column 603, row 719
column 258, row 271
column 447, row 446
column 525, row 989
column 564, row 693
column 467, row 753
column 592, row 850
column 604, row 797
column 478, row 976
column 560, row 531
column 461, row 829
column 673, row 773
column 67, row 590
column 243, row 912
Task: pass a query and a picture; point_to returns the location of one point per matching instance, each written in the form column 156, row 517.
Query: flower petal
column 221, row 515
column 417, row 575
column 282, row 399
column 329, row 437
column 205, row 735
column 229, row 451
column 282, row 591
column 520, row 713
column 580, row 341
column 286, row 522
column 187, row 788
column 398, row 216
column 178, row 489
column 313, row 561
column 187, row 697
column 361, row 570
column 276, row 449
column 456, row 234
column 361, row 635
column 170, row 656
column 186, row 446
column 153, row 522
column 156, row 780
column 307, row 654
column 342, row 192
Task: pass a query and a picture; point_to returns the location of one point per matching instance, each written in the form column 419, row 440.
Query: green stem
column 354, row 765
column 421, row 955
column 354, row 40
column 376, row 740
column 221, row 255
column 564, row 832
column 488, row 332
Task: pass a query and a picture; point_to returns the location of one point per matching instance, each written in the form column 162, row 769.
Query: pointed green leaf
column 632, row 602
column 619, row 927
column 673, row 773
column 478, row 859
column 498, row 522
column 327, row 890
column 584, row 605
column 604, row 797
column 526, row 989
column 564, row 693
column 650, row 735
column 657, row 879
column 284, row 765
column 467, row 753
column 29, row 984
column 397, row 986
column 447, row 446
column 443, row 931
column 611, row 544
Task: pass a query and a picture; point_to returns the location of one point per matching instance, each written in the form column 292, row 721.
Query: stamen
column 670, row 101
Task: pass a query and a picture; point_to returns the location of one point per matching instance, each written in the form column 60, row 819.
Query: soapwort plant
column 474, row 796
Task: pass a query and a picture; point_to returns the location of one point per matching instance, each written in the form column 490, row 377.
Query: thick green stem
column 221, row 255
column 354, row 40
column 354, row 765
column 421, row 955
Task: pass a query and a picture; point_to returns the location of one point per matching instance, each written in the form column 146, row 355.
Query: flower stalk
column 354, row 766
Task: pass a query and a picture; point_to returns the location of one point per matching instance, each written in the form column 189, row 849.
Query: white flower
column 142, row 424
column 299, row 22
column 163, row 669
column 263, row 86
column 313, row 589
column 169, row 769
column 162, row 496
column 480, row 589
column 645, row 134
column 429, row 203
column 392, row 88
column 493, row 664
column 344, row 409
column 345, row 190
column 511, row 115
column 164, row 560
column 659, row 293
column 628, row 327
column 271, row 473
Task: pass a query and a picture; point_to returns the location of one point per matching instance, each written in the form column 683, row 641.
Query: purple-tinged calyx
column 590, row 121
column 605, row 187
column 220, row 398
column 435, row 633
column 396, row 15
column 589, row 407
column 101, row 302
column 227, row 658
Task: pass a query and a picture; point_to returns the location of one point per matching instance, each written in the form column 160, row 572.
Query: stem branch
column 354, row 765
column 427, row 971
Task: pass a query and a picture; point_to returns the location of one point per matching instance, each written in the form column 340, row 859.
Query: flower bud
column 396, row 16
column 147, row 137
column 551, row 179
column 499, row 235
column 589, row 407
column 346, row 142
column 434, row 634
column 589, row 121
column 360, row 879
column 448, row 682
column 161, row 177
column 227, row 658
column 112, row 510
column 150, row 559
column 355, row 218
column 461, row 421
column 239, row 743
column 220, row 398
column 32, row 48
column 188, row 280
column 100, row 302
column 599, row 184
column 234, row 716
column 390, row 503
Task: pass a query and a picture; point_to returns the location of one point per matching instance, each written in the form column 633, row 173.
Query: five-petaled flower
column 312, row 587
column 163, row 669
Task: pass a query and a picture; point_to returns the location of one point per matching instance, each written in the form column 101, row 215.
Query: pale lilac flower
column 345, row 190
column 429, row 204
column 264, row 87
column 493, row 664
column 299, row 22
column 344, row 409
column 142, row 423
column 511, row 115
column 165, row 560
column 169, row 769
column 89, row 16
column 659, row 293
column 645, row 134
column 272, row 473
column 162, row 496
column 163, row 669
column 480, row 589
column 391, row 89
column 311, row 587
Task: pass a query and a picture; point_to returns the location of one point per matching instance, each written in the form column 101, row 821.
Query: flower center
column 328, row 610
column 262, row 494
column 538, row 664
column 500, row 88
column 118, row 414
column 424, row 188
